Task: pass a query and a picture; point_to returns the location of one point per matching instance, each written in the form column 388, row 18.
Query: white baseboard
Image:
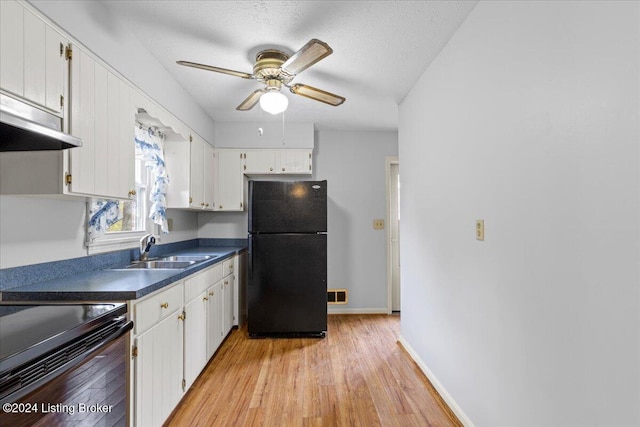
column 357, row 310
column 437, row 384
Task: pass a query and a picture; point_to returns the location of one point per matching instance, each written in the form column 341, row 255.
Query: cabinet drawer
column 150, row 311
column 227, row 267
column 197, row 284
column 215, row 274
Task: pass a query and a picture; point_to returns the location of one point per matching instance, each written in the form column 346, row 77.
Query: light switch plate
column 378, row 224
column 480, row 229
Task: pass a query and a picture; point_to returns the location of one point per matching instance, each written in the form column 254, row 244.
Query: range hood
column 27, row 128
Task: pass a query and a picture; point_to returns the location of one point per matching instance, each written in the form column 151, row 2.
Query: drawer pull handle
column 205, row 299
column 231, row 267
column 164, row 305
column 212, row 294
column 182, row 316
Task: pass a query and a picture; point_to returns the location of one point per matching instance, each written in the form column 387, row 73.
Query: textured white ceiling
column 380, row 49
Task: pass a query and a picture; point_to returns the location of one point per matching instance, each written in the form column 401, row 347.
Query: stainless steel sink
column 194, row 258
column 162, row 264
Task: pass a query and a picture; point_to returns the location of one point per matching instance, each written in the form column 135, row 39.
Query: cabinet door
column 197, row 173
column 177, row 158
column 100, row 131
column 227, row 309
column 294, row 161
column 259, row 161
column 214, row 318
column 103, row 115
column 158, row 371
column 229, row 187
column 56, row 75
column 208, row 176
column 34, row 58
column 12, row 47
column 123, row 138
column 82, row 96
column 119, row 148
column 195, row 338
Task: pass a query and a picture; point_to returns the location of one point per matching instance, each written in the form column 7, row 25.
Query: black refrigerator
column 287, row 258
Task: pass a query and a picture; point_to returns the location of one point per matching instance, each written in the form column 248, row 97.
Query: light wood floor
column 357, row 376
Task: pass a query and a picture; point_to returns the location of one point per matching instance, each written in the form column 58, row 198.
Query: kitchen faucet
column 145, row 246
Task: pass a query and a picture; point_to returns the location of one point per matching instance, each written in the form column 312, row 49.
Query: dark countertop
column 115, row 285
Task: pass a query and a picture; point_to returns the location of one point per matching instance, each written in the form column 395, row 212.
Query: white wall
column 266, row 134
column 92, row 23
column 35, row 230
column 222, row 225
column 353, row 163
column 527, row 119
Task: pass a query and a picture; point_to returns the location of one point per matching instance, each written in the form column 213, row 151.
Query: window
column 132, row 214
column 124, row 222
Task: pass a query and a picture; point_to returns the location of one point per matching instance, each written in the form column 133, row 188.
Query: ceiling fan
column 275, row 69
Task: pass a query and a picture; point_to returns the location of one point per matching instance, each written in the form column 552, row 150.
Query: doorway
column 393, row 235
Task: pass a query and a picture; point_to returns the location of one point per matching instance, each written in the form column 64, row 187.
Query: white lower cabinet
column 227, row 305
column 176, row 331
column 158, row 371
column 214, row 319
column 195, row 343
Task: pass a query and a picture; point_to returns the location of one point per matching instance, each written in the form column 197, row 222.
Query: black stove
column 40, row 342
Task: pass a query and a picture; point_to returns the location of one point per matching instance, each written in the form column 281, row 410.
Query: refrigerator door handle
column 250, row 258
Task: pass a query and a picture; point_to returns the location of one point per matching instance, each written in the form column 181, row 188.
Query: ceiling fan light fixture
column 274, row 102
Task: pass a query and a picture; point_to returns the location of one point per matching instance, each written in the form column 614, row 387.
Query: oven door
column 90, row 390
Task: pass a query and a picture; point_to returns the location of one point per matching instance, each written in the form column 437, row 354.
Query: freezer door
column 287, row 207
column 287, row 284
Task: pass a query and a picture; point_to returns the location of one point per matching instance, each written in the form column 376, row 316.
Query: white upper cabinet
column 208, row 176
column 294, row 162
column 259, row 161
column 276, row 161
column 12, row 47
column 103, row 116
column 32, row 58
column 43, row 68
column 196, row 174
column 191, row 170
column 229, row 185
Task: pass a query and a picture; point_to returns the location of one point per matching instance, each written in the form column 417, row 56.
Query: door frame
column 388, row 162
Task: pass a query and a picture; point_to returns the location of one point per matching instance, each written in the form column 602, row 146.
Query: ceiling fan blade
column 317, row 94
column 216, row 69
column 308, row 55
column 251, row 100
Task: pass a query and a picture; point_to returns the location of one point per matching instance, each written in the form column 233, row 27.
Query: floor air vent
column 336, row 296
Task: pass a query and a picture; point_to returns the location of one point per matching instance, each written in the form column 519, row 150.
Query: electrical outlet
column 378, row 224
column 480, row 229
